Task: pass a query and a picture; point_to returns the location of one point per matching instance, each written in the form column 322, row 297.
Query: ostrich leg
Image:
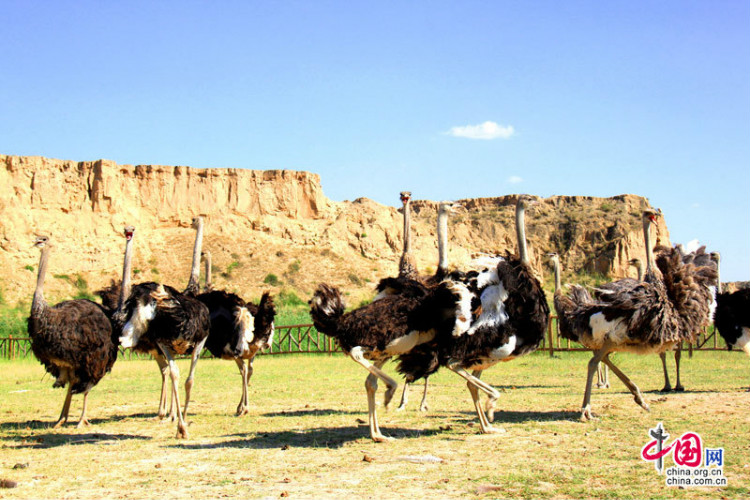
column 242, row 408
column 174, row 373
column 474, row 384
column 164, row 370
column 423, row 404
column 66, row 407
column 84, row 421
column 628, row 383
column 405, row 395
column 667, row 385
column 371, row 385
column 593, row 363
column 602, row 376
column 677, row 355
column 189, row 382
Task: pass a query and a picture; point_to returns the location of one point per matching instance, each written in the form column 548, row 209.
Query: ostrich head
column 140, row 310
column 197, row 222
column 41, row 241
column 129, row 232
column 650, row 215
column 405, row 197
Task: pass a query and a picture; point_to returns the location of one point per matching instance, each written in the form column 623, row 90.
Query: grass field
column 307, row 436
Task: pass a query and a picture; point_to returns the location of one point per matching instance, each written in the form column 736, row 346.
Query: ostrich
column 602, row 372
column 239, row 330
column 628, row 315
column 508, row 316
column 207, row 287
column 166, row 323
column 425, row 357
column 732, row 314
column 390, row 326
column 73, row 340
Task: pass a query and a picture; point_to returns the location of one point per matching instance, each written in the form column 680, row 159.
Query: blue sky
column 447, row 99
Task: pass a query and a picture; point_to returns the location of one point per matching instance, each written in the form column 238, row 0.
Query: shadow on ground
column 322, row 437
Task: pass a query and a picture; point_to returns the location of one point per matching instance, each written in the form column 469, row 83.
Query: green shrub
column 288, row 298
column 271, row 279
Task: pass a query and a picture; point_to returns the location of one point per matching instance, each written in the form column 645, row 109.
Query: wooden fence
column 304, row 339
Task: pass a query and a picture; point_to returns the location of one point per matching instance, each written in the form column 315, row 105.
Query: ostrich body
column 73, row 340
column 238, row 331
column 732, row 314
column 164, row 322
column 423, row 361
column 602, row 371
column 507, row 314
column 372, row 334
column 649, row 316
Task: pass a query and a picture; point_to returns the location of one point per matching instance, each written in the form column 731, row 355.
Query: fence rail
column 305, row 339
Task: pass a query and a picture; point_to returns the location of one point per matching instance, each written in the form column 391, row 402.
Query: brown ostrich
column 73, row 340
column 649, row 316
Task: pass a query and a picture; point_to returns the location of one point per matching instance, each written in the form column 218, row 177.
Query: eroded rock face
column 271, row 222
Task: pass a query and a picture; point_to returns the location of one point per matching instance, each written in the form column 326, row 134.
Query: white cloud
column 487, row 131
column 514, row 179
column 692, row 246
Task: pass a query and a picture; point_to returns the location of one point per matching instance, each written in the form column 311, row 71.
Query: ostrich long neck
column 650, row 265
column 521, row 234
column 558, row 283
column 195, row 269
column 442, row 230
column 38, row 303
column 407, row 227
column 126, row 272
column 208, row 270
column 639, row 270
column 718, row 274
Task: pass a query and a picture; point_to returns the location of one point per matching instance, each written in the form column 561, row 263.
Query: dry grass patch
column 306, row 435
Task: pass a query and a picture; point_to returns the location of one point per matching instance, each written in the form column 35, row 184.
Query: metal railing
column 305, row 339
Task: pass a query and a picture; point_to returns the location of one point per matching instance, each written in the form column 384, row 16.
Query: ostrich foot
column 667, row 388
column 493, row 430
column 491, row 409
column 401, row 407
column 59, row 423
column 423, row 408
column 242, row 410
column 380, row 438
column 83, row 423
column 679, row 388
column 587, row 414
column 639, row 401
column 389, row 395
column 182, row 432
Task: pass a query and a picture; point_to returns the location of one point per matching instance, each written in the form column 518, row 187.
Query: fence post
column 10, row 347
column 549, row 336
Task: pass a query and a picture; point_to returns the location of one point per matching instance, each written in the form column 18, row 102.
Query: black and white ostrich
column 239, row 330
column 732, row 315
column 162, row 321
column 424, row 357
column 73, row 340
column 374, row 333
column 648, row 316
column 507, row 314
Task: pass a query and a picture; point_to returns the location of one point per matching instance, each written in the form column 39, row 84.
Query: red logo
column 687, row 450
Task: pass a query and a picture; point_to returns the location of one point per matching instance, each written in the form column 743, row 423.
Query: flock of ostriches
column 464, row 320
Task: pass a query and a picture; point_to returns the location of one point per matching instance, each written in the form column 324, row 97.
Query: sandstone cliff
column 274, row 222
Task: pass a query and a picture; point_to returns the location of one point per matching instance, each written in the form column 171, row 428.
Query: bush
column 288, row 298
column 271, row 279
